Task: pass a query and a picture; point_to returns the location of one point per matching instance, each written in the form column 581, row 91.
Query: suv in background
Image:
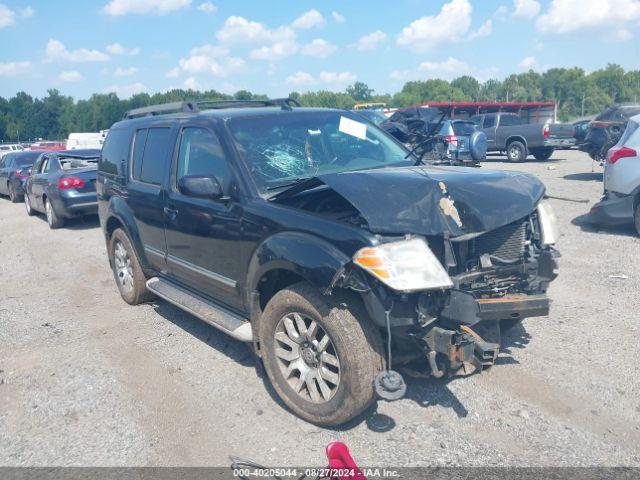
column 506, row 133
column 620, row 203
column 317, row 238
column 606, row 129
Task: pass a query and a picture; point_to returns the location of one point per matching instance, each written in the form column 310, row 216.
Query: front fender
column 314, row 259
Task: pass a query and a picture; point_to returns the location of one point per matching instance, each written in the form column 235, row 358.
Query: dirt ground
column 86, row 379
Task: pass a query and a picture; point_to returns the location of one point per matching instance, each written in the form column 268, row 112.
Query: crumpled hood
column 436, row 201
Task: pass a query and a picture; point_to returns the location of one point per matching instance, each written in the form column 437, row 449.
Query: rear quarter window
column 114, row 152
column 150, row 155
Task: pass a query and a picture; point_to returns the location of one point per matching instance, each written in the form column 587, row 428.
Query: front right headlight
column 406, row 265
column 548, row 224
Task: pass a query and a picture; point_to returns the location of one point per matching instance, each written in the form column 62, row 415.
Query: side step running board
column 205, row 310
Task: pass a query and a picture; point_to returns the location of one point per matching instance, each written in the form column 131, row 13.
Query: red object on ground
column 340, row 459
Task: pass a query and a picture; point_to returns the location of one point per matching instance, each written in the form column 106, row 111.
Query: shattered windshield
column 290, row 146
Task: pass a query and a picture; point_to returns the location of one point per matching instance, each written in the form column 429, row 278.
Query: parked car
column 10, row 147
column 48, row 146
column 437, row 139
column 580, row 131
column 506, row 133
column 606, row 129
column 15, row 168
column 620, row 203
column 62, row 185
column 314, row 236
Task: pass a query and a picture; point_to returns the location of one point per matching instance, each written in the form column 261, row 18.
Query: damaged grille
column 506, row 243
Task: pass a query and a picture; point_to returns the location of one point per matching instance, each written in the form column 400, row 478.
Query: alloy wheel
column 124, row 271
column 307, row 358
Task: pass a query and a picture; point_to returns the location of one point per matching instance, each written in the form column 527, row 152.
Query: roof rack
column 196, row 107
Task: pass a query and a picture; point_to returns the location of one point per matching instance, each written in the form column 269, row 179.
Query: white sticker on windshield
column 353, row 128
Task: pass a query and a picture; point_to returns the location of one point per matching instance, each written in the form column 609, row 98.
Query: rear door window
column 489, row 122
column 150, row 152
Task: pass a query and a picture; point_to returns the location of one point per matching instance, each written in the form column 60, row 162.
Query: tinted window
column 509, row 120
column 463, row 128
column 477, row 119
column 201, row 154
column 627, row 112
column 139, row 143
column 489, row 122
column 115, row 151
column 154, row 156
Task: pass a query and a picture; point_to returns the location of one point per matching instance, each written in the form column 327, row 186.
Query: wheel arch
column 291, row 257
column 119, row 215
column 517, row 138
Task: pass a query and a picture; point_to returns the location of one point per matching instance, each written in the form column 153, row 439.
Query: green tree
column 360, row 92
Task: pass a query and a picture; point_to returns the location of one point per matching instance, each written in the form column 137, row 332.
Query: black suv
column 315, row 236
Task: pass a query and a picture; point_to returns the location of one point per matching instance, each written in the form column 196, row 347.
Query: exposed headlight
column 548, row 224
column 407, row 265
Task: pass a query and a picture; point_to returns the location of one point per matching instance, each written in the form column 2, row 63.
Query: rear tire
column 636, row 217
column 516, row 152
column 53, row 219
column 127, row 272
column 542, row 153
column 13, row 195
column 27, row 206
column 338, row 383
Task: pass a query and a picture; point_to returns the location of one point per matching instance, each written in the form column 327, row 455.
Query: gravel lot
column 86, row 379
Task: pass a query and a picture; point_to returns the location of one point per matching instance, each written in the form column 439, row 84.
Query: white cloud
column 27, row 12
column 299, row 79
column 207, row 7
column 528, row 63
column 338, row 17
column 212, row 59
column 56, row 51
column 14, row 69
column 622, row 35
column 117, row 49
column 159, row 7
column 126, row 91
column 310, row 19
column 173, row 73
column 370, row 42
column 318, row 48
column 7, row 16
column 447, row 69
column 330, row 80
column 271, row 69
column 501, row 12
column 526, row 8
column 451, row 23
column 276, row 51
column 125, row 72
column 239, row 30
column 565, row 16
column 70, row 76
column 483, row 31
column 192, row 84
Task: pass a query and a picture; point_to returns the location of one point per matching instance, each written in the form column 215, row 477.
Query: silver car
column 621, row 201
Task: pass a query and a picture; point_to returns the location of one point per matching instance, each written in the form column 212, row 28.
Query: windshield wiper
column 295, row 186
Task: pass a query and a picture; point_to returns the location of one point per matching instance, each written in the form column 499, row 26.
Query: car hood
column 437, row 201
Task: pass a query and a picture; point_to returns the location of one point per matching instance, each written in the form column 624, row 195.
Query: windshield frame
column 408, row 158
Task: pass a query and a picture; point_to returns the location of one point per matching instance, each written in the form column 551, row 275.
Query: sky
column 274, row 47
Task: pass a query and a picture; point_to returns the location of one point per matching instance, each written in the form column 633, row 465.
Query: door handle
column 172, row 213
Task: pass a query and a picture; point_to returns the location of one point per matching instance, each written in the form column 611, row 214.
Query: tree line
column 577, row 93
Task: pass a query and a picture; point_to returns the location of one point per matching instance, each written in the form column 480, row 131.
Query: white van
column 86, row 140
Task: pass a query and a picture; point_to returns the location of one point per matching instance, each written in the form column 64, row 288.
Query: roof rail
column 185, row 107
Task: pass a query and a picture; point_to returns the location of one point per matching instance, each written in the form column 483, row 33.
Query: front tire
column 127, row 271
column 321, row 354
column 542, row 154
column 53, row 219
column 516, row 152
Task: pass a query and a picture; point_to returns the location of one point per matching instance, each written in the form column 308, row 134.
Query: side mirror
column 200, row 186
